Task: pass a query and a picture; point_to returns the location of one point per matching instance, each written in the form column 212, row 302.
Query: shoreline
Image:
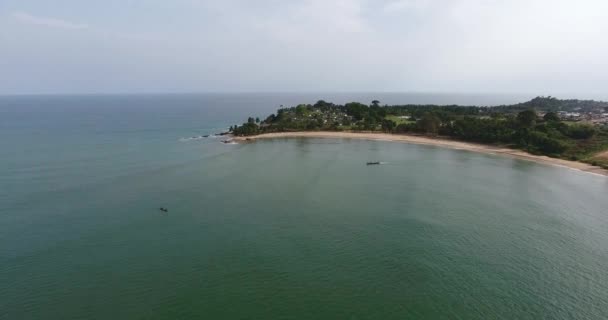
column 440, row 142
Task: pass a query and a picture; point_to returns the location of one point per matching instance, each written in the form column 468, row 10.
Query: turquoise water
column 294, row 228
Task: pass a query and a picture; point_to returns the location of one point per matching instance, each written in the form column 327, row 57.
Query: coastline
column 440, row 142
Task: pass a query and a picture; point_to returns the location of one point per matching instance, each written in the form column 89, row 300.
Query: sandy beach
column 441, row 142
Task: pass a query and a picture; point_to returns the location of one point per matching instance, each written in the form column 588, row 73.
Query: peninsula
column 569, row 133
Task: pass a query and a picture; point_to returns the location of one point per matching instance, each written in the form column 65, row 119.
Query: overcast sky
column 469, row 46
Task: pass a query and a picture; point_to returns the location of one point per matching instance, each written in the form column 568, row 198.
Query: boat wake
column 190, row 139
column 375, row 163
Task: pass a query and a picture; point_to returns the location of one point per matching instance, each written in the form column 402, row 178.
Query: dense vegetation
column 553, row 104
column 517, row 126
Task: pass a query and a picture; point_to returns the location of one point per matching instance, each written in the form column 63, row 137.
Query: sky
column 544, row 47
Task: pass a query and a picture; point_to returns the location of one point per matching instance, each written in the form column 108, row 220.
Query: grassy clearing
column 398, row 120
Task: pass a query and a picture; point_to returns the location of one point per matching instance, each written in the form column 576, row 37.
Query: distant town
column 597, row 118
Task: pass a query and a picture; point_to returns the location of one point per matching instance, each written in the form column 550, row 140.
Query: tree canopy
column 517, row 126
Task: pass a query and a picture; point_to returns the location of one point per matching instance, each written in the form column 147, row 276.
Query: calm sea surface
column 289, row 229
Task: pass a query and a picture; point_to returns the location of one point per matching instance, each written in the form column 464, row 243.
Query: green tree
column 581, row 131
column 375, row 103
column 357, row 110
column 270, row 119
column 323, row 105
column 388, row 125
column 545, row 144
column 551, row 117
column 257, row 120
column 430, row 123
column 247, row 129
column 369, row 124
column 527, row 118
column 301, row 110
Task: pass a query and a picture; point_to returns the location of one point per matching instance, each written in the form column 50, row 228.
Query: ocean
column 281, row 229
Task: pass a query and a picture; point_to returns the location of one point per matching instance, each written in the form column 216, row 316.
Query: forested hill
column 540, row 104
column 570, row 129
column 553, row 104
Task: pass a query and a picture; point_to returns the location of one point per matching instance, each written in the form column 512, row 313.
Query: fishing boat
column 373, row 163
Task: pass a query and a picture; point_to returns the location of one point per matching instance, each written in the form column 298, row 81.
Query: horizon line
column 556, row 94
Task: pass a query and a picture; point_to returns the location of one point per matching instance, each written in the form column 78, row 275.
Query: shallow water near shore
column 286, row 228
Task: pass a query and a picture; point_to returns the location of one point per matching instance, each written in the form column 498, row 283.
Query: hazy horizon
column 537, row 47
column 515, row 97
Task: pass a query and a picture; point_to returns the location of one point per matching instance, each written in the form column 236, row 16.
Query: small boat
column 373, row 163
column 164, row 209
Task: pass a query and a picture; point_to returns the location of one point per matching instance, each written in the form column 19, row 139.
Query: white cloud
column 27, row 18
column 545, row 46
column 398, row 6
